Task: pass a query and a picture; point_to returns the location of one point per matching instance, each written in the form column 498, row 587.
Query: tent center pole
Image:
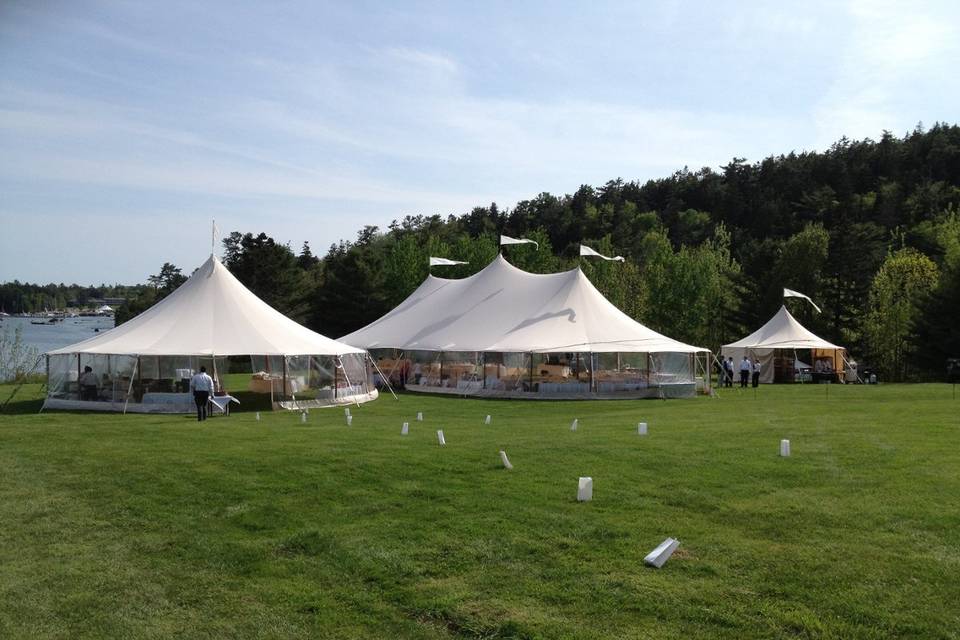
column 592, row 381
column 483, row 369
column 531, row 371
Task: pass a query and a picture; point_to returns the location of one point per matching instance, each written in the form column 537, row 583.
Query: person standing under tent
column 88, row 384
column 728, row 372
column 745, row 368
column 202, row 386
column 756, row 372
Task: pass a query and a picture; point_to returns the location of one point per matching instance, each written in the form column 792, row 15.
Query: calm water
column 53, row 336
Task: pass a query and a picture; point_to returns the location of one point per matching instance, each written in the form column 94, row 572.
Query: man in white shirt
column 745, row 368
column 202, row 386
column 88, row 384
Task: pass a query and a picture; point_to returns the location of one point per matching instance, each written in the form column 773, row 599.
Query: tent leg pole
column 22, row 382
column 347, row 378
column 385, row 380
column 130, row 388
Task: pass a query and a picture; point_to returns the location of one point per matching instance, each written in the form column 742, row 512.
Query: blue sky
column 125, row 127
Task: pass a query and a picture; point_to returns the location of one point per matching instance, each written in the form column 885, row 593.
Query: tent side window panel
column 62, row 377
column 621, row 372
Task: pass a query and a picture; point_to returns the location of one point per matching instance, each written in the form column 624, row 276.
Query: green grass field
column 154, row 526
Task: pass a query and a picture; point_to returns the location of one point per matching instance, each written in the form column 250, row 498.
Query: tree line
column 869, row 229
column 24, row 297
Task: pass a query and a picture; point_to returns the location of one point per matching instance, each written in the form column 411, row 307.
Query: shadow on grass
column 20, row 407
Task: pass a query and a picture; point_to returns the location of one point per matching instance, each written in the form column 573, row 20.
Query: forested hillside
column 869, row 229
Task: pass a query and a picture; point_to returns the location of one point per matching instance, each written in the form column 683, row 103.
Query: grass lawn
column 154, row 526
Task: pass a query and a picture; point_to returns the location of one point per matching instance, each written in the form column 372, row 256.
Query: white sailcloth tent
column 775, row 345
column 143, row 363
column 506, row 332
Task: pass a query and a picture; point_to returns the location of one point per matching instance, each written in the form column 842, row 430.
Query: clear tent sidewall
column 572, row 374
column 124, row 380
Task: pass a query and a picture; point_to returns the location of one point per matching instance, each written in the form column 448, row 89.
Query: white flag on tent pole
column 443, row 262
column 790, row 293
column 587, row 251
column 508, row 240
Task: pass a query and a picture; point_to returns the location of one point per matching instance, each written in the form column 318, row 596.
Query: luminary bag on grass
column 585, row 490
column 486, row 420
column 662, row 553
column 346, row 412
column 440, row 439
column 642, row 428
column 405, row 429
column 349, row 420
column 505, row 460
column 573, row 425
column 419, row 416
column 785, row 448
column 303, row 417
column 258, row 416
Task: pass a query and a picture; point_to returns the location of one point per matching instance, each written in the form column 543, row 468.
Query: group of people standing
column 748, row 370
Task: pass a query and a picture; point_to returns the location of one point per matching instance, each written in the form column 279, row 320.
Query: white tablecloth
column 186, row 399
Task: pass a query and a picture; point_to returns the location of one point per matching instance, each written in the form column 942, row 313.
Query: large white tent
column 144, row 361
column 782, row 334
column 504, row 331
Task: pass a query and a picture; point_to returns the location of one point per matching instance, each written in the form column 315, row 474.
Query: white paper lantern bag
column 662, row 553
column 585, row 490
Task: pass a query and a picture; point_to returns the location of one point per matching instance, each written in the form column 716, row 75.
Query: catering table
column 223, row 403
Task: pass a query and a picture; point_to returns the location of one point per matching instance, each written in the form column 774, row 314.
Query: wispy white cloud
column 889, row 45
column 424, row 59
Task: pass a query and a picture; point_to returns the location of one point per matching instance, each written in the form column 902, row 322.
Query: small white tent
column 504, row 331
column 782, row 333
column 143, row 362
